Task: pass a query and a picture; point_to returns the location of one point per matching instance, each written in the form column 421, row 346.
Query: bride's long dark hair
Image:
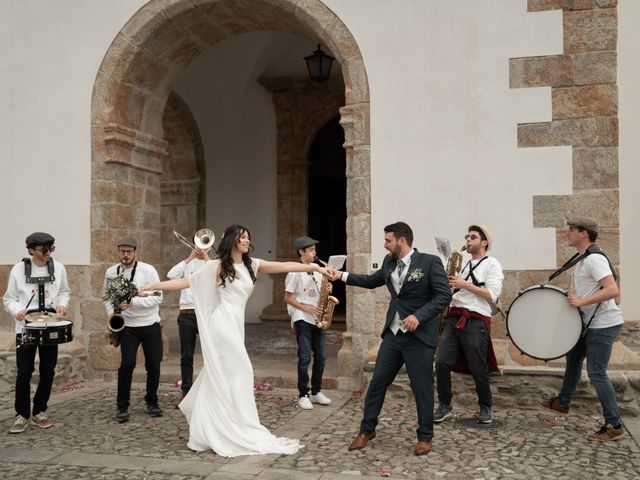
column 230, row 238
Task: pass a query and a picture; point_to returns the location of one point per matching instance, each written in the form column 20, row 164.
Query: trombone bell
column 203, row 239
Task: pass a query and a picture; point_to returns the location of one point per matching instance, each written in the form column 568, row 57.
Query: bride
column 220, row 406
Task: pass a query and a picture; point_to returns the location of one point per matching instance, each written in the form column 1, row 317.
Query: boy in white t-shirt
column 595, row 289
column 302, row 292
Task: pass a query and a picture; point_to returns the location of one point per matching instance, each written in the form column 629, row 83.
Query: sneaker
column 305, row 403
column 19, row 425
column 442, row 413
column 42, row 420
column 320, row 398
column 484, row 415
column 154, row 410
column 607, row 433
column 553, row 404
column 122, row 415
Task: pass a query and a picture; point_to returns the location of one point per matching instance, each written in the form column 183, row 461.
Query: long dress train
column 220, row 406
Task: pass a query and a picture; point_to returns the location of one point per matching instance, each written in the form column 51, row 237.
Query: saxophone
column 326, row 303
column 454, row 264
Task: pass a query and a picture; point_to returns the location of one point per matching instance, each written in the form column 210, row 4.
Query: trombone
column 203, row 239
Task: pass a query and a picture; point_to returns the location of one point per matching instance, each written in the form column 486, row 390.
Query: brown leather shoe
column 361, row 441
column 553, row 404
column 422, row 448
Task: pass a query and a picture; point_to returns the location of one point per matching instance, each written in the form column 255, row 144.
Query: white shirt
column 19, row 292
column 183, row 270
column 306, row 290
column 588, row 273
column 489, row 272
column 144, row 311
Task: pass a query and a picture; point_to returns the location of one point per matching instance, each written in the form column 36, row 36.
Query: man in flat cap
column 36, row 284
column 595, row 289
column 141, row 326
column 465, row 344
column 301, row 293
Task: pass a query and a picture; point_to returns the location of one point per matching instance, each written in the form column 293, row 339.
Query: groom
column 419, row 292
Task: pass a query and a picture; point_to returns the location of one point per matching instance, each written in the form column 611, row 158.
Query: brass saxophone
column 454, row 264
column 326, row 303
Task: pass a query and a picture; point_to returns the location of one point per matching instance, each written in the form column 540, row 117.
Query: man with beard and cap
column 595, row 289
column 38, row 283
column 419, row 292
column 141, row 326
column 465, row 344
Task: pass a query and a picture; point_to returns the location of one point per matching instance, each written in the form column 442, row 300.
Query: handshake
column 332, row 274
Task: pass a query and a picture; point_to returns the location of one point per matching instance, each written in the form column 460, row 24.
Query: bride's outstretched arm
column 177, row 284
column 285, row 267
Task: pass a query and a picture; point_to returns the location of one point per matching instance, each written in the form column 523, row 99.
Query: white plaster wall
column 629, row 153
column 237, row 122
column 443, row 121
column 50, row 55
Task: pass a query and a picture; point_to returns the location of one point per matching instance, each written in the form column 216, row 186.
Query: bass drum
column 542, row 324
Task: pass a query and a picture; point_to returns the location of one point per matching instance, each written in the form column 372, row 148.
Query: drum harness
column 494, row 307
column 40, row 281
column 591, row 249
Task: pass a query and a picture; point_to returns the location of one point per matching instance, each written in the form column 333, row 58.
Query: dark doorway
column 328, row 198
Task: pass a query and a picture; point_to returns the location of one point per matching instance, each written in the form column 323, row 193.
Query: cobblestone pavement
column 526, row 442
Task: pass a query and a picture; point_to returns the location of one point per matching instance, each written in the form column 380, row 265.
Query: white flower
column 415, row 275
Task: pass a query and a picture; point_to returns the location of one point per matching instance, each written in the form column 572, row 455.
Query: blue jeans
column 310, row 340
column 596, row 346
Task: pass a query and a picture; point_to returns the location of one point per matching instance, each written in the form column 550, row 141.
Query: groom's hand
column 411, row 323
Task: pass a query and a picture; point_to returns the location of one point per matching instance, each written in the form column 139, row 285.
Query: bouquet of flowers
column 119, row 290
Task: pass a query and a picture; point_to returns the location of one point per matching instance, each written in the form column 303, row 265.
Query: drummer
column 595, row 290
column 465, row 344
column 36, row 284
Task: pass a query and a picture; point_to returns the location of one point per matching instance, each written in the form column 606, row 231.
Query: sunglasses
column 472, row 236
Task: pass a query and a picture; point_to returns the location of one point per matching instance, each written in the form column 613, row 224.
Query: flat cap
column 128, row 241
column 39, row 238
column 303, row 242
column 583, row 222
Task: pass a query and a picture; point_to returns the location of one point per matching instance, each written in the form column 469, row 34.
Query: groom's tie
column 401, row 266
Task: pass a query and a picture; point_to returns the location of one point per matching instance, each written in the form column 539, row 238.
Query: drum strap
column 39, row 280
column 591, row 249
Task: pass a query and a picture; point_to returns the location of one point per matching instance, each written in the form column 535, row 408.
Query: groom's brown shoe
column 422, row 448
column 361, row 441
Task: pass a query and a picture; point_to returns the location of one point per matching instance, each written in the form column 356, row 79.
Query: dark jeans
column 310, row 339
column 472, row 342
column 25, row 361
column 130, row 339
column 188, row 330
column 596, row 346
column 395, row 351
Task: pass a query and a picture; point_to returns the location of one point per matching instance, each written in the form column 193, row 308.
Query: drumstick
column 30, row 300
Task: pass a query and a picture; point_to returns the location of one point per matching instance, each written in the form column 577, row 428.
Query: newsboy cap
column 303, row 242
column 128, row 242
column 39, row 238
column 583, row 222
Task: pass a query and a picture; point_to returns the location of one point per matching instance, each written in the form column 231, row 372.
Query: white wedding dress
column 220, row 407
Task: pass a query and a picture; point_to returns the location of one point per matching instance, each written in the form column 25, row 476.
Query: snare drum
column 47, row 333
column 542, row 324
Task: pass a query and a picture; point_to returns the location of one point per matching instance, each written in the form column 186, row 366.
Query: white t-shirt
column 306, row 289
column 587, row 274
column 19, row 292
column 489, row 272
column 144, row 311
column 183, row 270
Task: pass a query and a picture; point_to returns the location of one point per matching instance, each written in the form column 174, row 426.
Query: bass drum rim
column 520, row 294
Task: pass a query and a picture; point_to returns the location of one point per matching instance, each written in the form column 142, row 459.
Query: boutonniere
column 415, row 275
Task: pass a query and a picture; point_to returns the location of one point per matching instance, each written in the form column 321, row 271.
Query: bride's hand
column 142, row 291
column 326, row 271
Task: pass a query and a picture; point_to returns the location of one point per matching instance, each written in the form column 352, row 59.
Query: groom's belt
column 188, row 311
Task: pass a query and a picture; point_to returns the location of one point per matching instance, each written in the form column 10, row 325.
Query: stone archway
column 129, row 148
